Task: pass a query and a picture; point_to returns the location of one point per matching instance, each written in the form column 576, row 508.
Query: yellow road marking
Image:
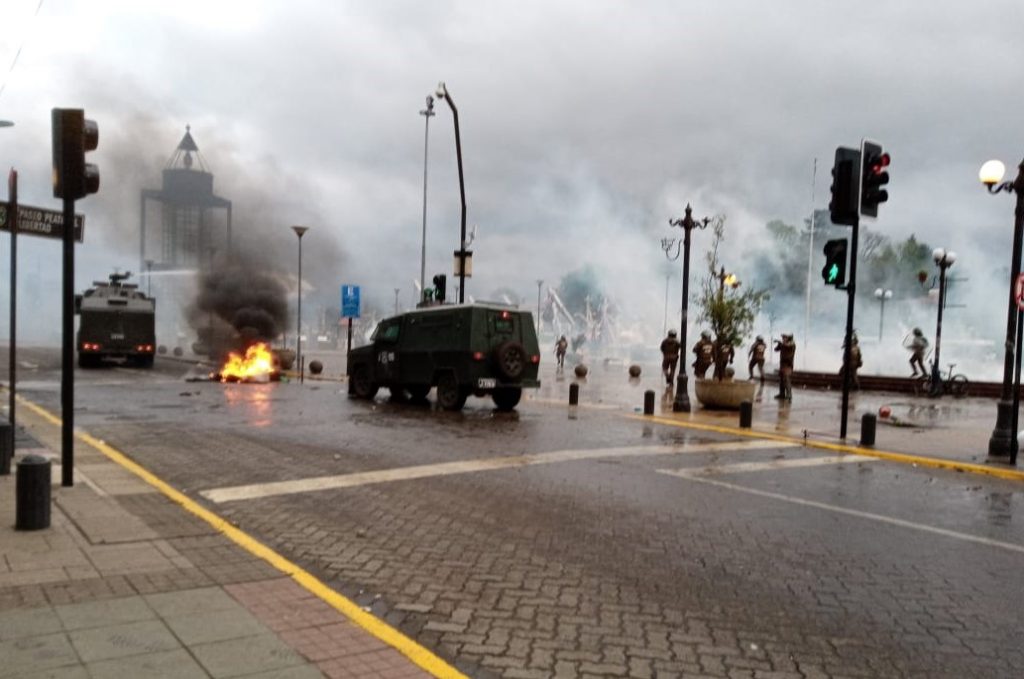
column 418, row 654
column 905, row 458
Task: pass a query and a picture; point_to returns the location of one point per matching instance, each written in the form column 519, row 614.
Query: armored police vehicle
column 117, row 321
column 481, row 349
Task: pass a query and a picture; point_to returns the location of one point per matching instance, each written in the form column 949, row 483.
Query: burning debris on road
column 258, row 364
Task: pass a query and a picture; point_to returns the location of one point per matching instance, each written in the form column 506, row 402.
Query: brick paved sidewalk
column 126, row 583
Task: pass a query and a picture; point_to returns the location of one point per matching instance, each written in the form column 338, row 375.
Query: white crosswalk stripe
column 249, row 492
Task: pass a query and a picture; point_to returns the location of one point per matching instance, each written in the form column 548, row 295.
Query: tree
column 730, row 311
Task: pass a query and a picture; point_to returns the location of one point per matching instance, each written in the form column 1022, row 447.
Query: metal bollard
column 867, row 429
column 32, row 503
column 746, row 414
column 649, row 402
column 6, row 448
column 574, row 394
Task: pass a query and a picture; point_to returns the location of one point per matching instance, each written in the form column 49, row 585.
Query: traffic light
column 73, row 135
column 845, row 186
column 874, row 177
column 834, row 271
column 440, row 280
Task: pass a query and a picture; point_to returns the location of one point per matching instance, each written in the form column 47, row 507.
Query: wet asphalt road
column 677, row 553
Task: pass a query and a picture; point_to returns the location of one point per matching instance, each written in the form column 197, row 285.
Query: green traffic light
column 833, row 273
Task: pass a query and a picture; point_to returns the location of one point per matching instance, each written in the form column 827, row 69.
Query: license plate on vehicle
column 486, row 383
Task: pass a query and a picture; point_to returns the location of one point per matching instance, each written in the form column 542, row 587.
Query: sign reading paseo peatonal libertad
column 35, row 221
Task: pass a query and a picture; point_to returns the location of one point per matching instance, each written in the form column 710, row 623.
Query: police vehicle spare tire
column 511, row 359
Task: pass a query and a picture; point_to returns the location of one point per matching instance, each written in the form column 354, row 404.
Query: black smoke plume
column 239, row 302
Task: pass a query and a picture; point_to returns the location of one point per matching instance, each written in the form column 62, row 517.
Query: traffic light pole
column 851, row 290
column 67, row 377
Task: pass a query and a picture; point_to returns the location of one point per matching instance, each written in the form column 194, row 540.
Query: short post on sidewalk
column 574, row 394
column 649, row 402
column 746, row 415
column 867, row 429
column 32, row 491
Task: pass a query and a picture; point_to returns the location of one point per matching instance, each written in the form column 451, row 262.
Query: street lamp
column 540, row 282
column 461, row 254
column 681, row 404
column 149, row 277
column 943, row 260
column 6, row 123
column 300, row 231
column 882, row 296
column 427, row 113
column 991, row 174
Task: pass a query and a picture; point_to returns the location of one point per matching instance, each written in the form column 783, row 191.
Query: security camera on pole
column 73, row 178
column 858, row 178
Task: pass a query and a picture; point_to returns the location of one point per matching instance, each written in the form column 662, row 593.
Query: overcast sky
column 585, row 125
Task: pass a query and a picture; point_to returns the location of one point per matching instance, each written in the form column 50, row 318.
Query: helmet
column 917, row 331
column 671, row 333
column 705, row 334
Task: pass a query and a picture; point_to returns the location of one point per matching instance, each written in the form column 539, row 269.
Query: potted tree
column 730, row 310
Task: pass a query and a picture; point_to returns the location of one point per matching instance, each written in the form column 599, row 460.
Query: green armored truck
column 117, row 321
column 482, row 349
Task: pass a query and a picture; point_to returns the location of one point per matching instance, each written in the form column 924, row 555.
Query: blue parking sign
column 350, row 301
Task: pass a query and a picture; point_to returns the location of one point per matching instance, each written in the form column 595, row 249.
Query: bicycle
column 954, row 384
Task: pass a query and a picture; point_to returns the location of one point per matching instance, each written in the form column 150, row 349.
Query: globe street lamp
column 462, row 255
column 300, row 231
column 943, row 260
column 882, row 296
column 991, row 175
column 681, row 404
column 427, row 113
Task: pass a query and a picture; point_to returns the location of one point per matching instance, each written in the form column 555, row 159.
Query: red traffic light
column 880, row 163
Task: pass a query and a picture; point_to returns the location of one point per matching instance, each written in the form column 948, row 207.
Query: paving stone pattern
column 562, row 572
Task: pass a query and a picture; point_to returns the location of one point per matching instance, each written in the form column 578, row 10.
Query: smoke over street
column 241, row 296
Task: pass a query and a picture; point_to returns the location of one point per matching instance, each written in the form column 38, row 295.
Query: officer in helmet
column 670, row 356
column 704, row 349
column 756, row 356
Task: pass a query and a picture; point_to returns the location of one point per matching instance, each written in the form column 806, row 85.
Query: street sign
column 36, row 221
column 1018, row 291
column 350, row 301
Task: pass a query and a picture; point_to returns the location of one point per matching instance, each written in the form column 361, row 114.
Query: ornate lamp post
column 882, row 296
column 943, row 260
column 427, row 113
column 300, row 231
column 687, row 224
column 991, row 175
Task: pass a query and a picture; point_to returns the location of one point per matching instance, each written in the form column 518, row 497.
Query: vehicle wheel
column 418, row 392
column 144, row 362
column 958, row 386
column 88, row 361
column 362, row 385
column 511, row 359
column 450, row 395
column 508, row 398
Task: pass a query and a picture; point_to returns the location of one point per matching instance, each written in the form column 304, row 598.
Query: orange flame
column 256, row 366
